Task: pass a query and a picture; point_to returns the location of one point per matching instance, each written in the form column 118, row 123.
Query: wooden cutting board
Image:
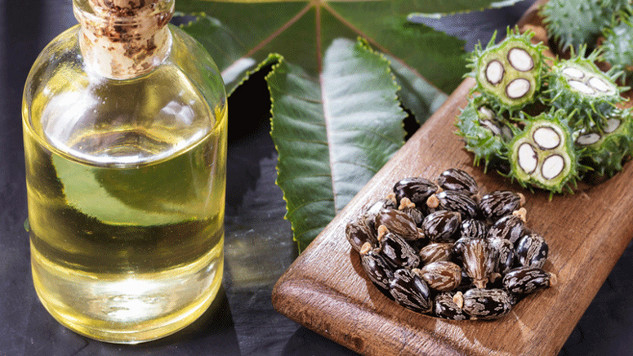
column 326, row 290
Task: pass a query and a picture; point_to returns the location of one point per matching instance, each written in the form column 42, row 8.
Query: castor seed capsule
column 455, row 179
column 446, row 308
column 532, row 251
column 417, row 189
column 487, row 303
column 456, row 201
column 398, row 222
column 410, row 291
column 358, row 233
column 525, row 280
column 376, row 268
column 500, row 203
column 441, row 275
column 441, row 226
column 475, row 229
column 477, row 260
column 397, row 252
column 436, row 251
column 509, row 227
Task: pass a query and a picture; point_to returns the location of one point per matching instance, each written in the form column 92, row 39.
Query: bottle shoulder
column 142, row 119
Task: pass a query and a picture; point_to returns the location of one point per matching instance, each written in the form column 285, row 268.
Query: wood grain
column 326, row 290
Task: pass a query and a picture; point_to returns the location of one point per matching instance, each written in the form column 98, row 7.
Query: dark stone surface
column 259, row 245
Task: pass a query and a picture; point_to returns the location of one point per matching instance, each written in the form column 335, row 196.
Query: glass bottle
column 125, row 123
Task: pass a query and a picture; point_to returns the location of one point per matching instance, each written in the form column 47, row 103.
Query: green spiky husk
column 495, row 94
column 568, row 177
column 474, row 126
column 606, row 155
column 617, row 48
column 589, row 109
column 573, row 23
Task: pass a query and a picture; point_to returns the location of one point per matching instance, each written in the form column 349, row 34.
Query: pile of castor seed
column 442, row 249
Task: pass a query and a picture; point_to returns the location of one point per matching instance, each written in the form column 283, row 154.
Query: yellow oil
column 126, row 184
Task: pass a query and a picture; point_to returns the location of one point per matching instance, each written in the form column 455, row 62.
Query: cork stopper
column 123, row 39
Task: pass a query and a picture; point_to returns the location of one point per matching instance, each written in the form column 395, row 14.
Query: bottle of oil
column 125, row 125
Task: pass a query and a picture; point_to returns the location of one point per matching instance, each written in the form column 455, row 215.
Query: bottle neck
column 123, row 39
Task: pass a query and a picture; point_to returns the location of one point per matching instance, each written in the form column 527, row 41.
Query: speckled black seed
column 487, row 303
column 526, row 280
column 532, row 250
column 499, row 204
column 415, row 214
column 475, row 229
column 445, row 307
column 459, row 202
column 358, row 233
column 373, row 210
column 441, row 275
column 442, row 226
column 397, row 252
column 377, row 269
column 417, row 189
column 477, row 260
column 457, row 180
column 504, row 252
column 436, row 251
column 410, row 291
column 399, row 223
column 509, row 227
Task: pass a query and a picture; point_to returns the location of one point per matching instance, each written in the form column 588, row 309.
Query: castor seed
column 487, row 303
column 457, row 180
column 410, row 291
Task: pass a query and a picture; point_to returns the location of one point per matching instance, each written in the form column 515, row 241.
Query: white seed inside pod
column 612, row 125
column 520, row 59
column 518, row 88
column 573, row 73
column 494, row 72
column 546, row 137
column 491, row 126
column 588, row 139
column 487, row 113
column 581, row 87
column 552, row 166
column 527, row 158
column 600, row 85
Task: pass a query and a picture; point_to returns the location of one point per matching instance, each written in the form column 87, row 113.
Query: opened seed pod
column 543, row 155
column 578, row 85
column 508, row 74
column 484, row 133
column 605, row 151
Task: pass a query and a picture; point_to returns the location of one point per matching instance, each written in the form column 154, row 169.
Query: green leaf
column 418, row 96
column 489, row 5
column 333, row 132
column 240, row 34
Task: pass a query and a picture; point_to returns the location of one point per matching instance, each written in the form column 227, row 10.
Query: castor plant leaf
column 241, row 34
column 332, row 132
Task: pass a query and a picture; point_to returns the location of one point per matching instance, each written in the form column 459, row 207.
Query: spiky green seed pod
column 605, row 151
column 508, row 74
column 573, row 23
column 543, row 154
column 578, row 84
column 484, row 134
column 617, row 47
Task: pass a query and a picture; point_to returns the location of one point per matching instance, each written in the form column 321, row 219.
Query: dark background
column 259, row 245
